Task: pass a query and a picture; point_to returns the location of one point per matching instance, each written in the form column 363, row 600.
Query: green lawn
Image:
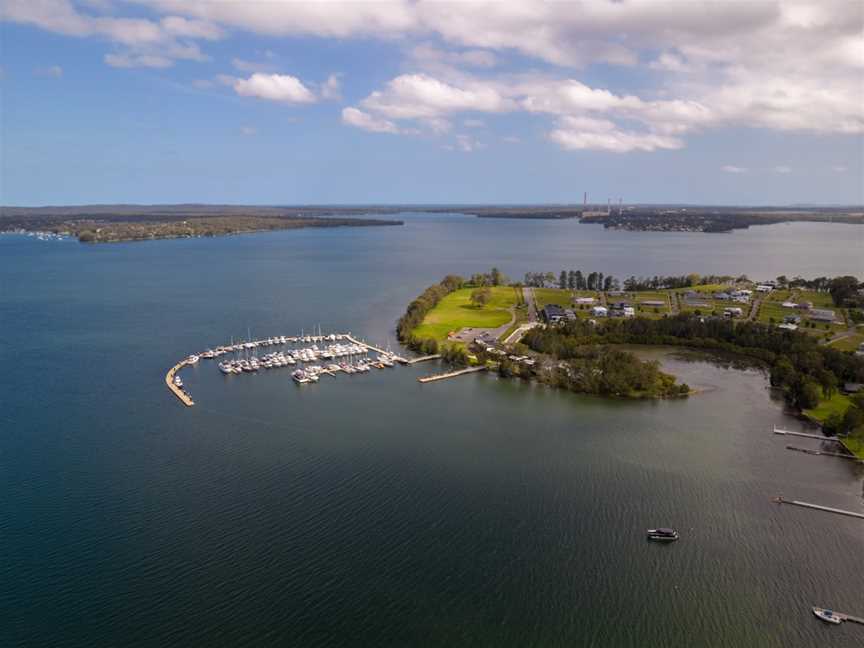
column 544, row 296
column 848, row 343
column 455, row 311
column 855, row 444
column 837, row 404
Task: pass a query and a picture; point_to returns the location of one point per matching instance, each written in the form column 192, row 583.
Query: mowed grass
column 849, row 343
column 455, row 311
column 545, row 296
column 837, row 404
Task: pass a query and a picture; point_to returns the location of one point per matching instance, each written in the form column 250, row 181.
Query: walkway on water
column 434, row 356
column 821, row 437
column 350, row 338
column 826, row 453
column 819, row 507
column 179, row 393
column 450, row 374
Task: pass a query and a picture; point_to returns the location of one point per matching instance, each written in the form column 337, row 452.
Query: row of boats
column 339, row 352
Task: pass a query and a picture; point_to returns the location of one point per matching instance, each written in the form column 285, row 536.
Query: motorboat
column 663, row 535
column 827, row 615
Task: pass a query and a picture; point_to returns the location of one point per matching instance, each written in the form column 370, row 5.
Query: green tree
column 562, row 280
column 842, row 288
column 480, row 297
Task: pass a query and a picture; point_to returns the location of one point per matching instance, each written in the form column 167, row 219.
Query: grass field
column 455, row 311
column 848, row 343
column 544, row 296
column 855, row 444
column 837, row 404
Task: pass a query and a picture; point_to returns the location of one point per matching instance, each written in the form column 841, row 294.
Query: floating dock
column 821, row 437
column 450, row 374
column 398, row 359
column 819, row 507
column 179, row 393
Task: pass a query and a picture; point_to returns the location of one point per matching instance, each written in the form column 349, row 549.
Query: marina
column 338, row 352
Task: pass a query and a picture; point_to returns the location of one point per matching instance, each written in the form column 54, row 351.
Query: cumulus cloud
column 359, row 119
column 274, row 87
column 729, row 168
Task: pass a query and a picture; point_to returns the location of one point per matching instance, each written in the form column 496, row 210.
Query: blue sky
column 401, row 102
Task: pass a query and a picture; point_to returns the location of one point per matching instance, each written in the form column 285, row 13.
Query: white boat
column 827, row 615
column 192, row 359
column 178, row 382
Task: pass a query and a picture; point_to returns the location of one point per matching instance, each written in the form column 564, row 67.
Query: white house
column 629, row 311
column 733, row 312
column 584, row 301
column 599, row 311
column 764, row 288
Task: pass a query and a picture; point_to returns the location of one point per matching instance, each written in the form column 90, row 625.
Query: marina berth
column 320, row 354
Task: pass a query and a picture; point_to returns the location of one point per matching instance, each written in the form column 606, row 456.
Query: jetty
column 450, row 374
column 826, row 453
column 179, row 393
column 398, row 359
column 819, row 507
column 821, row 437
column 434, row 356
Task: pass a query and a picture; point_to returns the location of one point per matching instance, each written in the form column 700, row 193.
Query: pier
column 179, row 393
column 826, row 453
column 821, row 437
column 819, row 507
column 398, row 359
column 450, row 374
column 434, row 356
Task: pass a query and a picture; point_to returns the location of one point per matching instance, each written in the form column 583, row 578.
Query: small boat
column 663, row 535
column 178, row 382
column 192, row 359
column 827, row 615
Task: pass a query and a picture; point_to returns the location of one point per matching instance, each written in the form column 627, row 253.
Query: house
column 584, row 301
column 822, row 315
column 807, row 305
column 570, row 314
column 553, row 313
column 722, row 296
column 651, row 303
column 742, row 291
column 789, row 304
column 629, row 311
column 764, row 288
column 788, row 327
column 600, row 311
column 853, row 388
column 620, row 305
column 732, row 312
column 792, row 319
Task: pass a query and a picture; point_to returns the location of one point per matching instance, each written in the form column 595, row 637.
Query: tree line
column 418, row 309
column 578, row 280
column 802, row 368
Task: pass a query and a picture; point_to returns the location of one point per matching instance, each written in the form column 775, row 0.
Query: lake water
column 374, row 511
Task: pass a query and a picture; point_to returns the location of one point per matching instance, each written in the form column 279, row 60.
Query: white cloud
column 511, row 139
column 467, row 144
column 248, row 131
column 430, row 56
column 365, row 121
column 839, row 168
column 274, row 87
column 473, row 123
column 782, row 169
column 422, row 96
column 729, row 168
column 331, row 89
column 183, row 27
column 127, row 60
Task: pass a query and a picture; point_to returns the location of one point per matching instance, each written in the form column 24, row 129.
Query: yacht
column 827, row 615
column 300, row 376
column 663, row 535
column 192, row 359
column 178, row 382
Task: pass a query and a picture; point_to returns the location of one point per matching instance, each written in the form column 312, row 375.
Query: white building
column 599, row 311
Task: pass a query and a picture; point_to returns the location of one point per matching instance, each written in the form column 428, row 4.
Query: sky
column 419, row 101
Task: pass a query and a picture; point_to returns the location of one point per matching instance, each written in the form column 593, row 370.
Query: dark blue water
column 372, row 510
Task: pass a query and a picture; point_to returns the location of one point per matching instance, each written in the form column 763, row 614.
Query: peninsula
column 115, row 223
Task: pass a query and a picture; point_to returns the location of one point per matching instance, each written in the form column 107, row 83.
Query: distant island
column 713, row 219
column 115, row 223
column 112, row 223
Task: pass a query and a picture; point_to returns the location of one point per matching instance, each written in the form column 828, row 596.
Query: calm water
column 375, row 511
